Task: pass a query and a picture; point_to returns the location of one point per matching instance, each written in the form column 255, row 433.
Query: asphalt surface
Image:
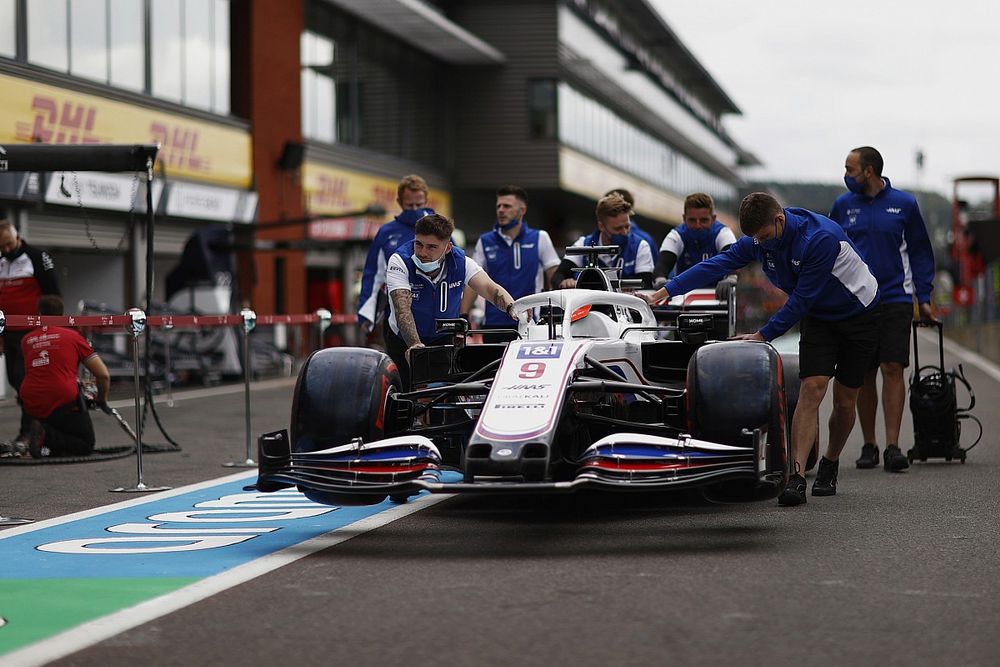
column 896, row 569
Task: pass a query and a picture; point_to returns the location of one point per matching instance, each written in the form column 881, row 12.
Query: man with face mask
column 886, row 226
column 633, row 225
column 634, row 256
column 520, row 258
column 425, row 279
column 834, row 294
column 699, row 237
column 26, row 273
column 411, row 195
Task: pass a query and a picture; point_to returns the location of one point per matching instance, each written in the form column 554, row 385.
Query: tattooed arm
column 402, row 300
column 493, row 293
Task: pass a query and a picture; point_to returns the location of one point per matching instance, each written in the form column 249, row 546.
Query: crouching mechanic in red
column 60, row 424
column 425, row 279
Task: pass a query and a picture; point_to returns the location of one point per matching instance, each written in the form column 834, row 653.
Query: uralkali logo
column 185, row 530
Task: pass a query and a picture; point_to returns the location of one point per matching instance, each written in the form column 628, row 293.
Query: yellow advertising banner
column 334, row 191
column 189, row 148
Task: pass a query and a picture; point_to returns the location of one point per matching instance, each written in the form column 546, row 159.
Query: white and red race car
column 592, row 392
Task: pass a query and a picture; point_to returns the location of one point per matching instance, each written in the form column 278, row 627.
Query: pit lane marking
column 99, row 629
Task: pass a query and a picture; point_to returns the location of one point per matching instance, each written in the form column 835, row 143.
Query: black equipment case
column 934, row 405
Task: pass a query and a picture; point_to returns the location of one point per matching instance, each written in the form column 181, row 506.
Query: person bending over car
column 634, row 255
column 425, row 279
column 832, row 291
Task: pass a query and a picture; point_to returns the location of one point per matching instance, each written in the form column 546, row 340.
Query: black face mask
column 9, row 256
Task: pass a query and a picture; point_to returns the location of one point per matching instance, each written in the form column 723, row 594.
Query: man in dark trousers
column 50, row 393
column 886, row 226
column 834, row 294
column 26, row 273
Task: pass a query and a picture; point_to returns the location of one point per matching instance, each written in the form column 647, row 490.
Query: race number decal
column 531, row 370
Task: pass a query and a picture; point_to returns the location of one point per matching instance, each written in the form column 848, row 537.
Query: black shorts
column 843, row 349
column 894, row 334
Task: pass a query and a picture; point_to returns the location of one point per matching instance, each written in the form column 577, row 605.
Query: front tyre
column 733, row 386
column 341, row 394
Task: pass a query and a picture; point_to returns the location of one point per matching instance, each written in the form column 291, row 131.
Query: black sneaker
column 869, row 456
column 894, row 459
column 794, row 493
column 826, row 478
column 36, row 441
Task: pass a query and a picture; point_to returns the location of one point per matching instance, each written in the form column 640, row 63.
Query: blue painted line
column 194, row 534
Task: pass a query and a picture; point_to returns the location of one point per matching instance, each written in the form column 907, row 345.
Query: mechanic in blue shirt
column 411, row 195
column 634, row 226
column 425, row 279
column 699, row 237
column 634, row 255
column 886, row 226
column 516, row 256
column 832, row 291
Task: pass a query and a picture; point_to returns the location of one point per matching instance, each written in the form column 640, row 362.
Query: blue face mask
column 854, row 186
column 700, row 236
column 620, row 240
column 509, row 225
column 409, row 217
column 427, row 267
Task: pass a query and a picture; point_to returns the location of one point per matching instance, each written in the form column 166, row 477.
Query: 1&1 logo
column 540, row 351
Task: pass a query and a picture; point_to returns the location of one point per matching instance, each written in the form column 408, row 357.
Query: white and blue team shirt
column 433, row 298
column 517, row 264
column 813, row 262
column 682, row 242
column 636, row 259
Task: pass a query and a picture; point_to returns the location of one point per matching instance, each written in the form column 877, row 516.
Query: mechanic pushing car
column 832, row 291
column 411, row 195
column 517, row 256
column 425, row 279
column 634, row 257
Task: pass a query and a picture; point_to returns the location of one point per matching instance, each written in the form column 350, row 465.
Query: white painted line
column 222, row 390
column 965, row 354
column 98, row 630
column 141, row 500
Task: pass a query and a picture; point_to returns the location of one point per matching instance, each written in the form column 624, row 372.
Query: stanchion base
column 14, row 521
column 249, row 463
column 140, row 488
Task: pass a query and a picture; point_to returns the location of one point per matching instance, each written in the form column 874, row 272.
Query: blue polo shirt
column 891, row 236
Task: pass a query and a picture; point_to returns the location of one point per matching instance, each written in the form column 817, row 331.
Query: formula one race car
column 591, row 393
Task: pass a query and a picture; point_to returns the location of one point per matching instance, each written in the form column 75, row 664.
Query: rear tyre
column 736, row 385
column 341, row 394
column 790, row 364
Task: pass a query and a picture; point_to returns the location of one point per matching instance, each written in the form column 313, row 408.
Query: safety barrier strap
column 167, row 321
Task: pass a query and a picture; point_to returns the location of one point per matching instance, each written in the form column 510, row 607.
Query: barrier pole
column 323, row 323
column 136, row 327
column 249, row 323
column 168, row 336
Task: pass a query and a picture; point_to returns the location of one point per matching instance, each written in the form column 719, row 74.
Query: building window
column 48, row 36
column 125, row 44
column 318, row 87
column 88, row 39
column 8, row 28
column 543, row 109
column 186, row 43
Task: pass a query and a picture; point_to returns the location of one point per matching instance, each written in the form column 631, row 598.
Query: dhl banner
column 334, row 191
column 189, row 148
